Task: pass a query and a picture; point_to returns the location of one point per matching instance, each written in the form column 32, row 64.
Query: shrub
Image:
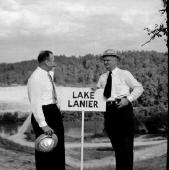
column 153, row 119
column 157, row 123
column 9, row 117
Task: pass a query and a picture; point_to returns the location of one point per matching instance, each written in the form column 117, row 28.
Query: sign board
column 82, row 99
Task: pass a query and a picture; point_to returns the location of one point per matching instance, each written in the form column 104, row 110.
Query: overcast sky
column 75, row 27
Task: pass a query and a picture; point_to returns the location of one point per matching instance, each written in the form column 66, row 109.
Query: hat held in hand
column 46, row 143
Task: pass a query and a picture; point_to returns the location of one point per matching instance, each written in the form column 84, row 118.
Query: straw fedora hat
column 46, row 143
column 111, row 53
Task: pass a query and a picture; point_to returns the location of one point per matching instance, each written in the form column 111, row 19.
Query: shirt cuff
column 130, row 98
column 42, row 123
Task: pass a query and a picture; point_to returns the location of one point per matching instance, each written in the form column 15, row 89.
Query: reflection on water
column 72, row 129
column 8, row 129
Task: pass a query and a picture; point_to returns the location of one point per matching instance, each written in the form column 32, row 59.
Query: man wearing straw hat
column 120, row 90
column 46, row 118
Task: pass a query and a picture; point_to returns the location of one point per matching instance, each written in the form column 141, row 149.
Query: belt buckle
column 111, row 102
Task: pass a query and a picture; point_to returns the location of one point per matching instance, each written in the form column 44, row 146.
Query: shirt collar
column 114, row 71
column 42, row 70
column 46, row 72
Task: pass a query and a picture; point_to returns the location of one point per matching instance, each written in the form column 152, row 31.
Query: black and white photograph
column 83, row 85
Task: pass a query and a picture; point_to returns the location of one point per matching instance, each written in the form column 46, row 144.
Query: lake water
column 15, row 98
column 8, row 130
column 72, row 129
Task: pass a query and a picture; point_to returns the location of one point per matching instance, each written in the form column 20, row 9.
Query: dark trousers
column 55, row 159
column 119, row 125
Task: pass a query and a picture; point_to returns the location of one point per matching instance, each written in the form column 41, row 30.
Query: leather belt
column 114, row 102
column 111, row 103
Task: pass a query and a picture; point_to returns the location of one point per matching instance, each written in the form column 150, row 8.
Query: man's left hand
column 123, row 102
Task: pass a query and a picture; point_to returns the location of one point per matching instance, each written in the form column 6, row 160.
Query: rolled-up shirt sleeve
column 137, row 88
column 35, row 94
column 101, row 82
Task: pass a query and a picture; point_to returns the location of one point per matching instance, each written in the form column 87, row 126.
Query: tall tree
column 160, row 30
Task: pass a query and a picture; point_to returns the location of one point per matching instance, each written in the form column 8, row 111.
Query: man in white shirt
column 120, row 89
column 46, row 117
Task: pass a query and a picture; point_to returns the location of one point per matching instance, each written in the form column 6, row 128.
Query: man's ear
column 46, row 62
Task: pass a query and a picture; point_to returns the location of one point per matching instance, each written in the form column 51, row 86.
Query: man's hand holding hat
column 48, row 130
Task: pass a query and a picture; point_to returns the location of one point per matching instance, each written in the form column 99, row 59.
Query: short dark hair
column 44, row 55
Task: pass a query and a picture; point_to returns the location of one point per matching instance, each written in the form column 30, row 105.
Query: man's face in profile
column 51, row 62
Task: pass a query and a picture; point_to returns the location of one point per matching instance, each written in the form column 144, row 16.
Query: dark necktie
column 107, row 89
column 53, row 90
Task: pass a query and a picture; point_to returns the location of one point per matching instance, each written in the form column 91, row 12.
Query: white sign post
column 82, row 141
column 82, row 99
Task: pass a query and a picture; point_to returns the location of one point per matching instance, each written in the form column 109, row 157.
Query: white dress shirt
column 122, row 82
column 40, row 92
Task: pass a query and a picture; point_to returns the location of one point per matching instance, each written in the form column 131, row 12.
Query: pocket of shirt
column 121, row 89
